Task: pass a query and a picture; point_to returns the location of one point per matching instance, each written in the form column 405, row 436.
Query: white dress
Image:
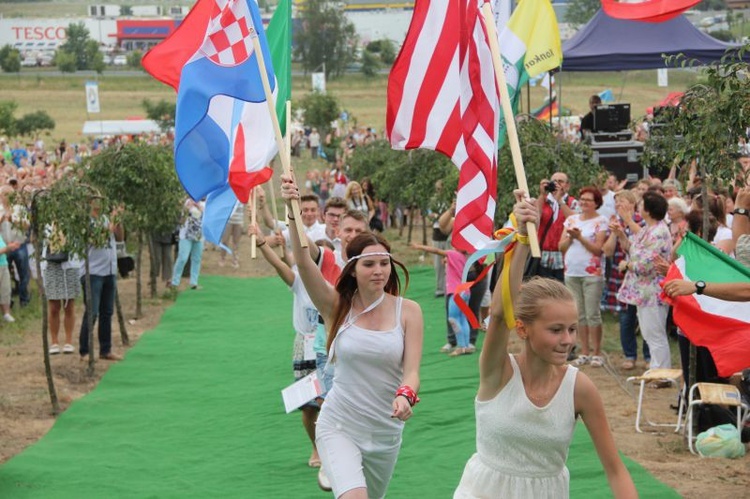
column 521, row 448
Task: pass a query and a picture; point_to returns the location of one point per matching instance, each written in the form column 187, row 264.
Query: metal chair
column 673, row 377
column 713, row 394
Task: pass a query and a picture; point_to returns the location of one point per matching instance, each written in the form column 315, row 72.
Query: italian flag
column 530, row 45
column 721, row 326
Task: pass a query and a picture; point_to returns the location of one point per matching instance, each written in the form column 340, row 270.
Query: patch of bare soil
column 25, row 410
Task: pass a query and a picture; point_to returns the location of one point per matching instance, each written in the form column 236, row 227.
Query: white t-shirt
column 315, row 232
column 304, row 313
column 579, row 262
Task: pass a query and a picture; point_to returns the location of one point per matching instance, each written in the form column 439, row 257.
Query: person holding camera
column 555, row 205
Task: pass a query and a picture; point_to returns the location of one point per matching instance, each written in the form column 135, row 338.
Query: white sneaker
column 8, row 318
column 471, row 348
column 447, row 348
column 323, row 481
column 54, row 349
column 68, row 348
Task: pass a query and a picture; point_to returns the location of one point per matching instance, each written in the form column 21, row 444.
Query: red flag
column 442, row 96
column 653, row 11
column 165, row 62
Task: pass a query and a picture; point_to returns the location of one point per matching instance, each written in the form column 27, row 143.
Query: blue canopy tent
column 609, row 44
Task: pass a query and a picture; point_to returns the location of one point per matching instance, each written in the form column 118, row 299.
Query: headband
column 375, row 253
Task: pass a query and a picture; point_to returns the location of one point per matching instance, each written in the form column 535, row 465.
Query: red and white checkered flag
column 229, row 40
column 442, row 96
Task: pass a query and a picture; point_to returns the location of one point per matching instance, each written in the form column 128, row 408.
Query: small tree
column 32, row 124
column 7, row 120
column 543, row 154
column 370, row 64
column 10, row 59
column 162, row 112
column 141, row 179
column 387, row 52
column 320, row 110
column 134, row 59
column 65, row 61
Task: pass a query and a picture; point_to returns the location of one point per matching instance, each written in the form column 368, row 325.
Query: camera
column 551, row 187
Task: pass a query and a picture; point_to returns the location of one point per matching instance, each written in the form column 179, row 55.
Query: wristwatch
column 741, row 211
column 700, row 287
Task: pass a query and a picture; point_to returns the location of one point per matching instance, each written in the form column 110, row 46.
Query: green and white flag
column 279, row 36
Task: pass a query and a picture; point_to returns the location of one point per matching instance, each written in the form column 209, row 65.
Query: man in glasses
column 555, row 205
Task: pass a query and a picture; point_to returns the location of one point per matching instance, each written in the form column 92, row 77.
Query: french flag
column 224, row 136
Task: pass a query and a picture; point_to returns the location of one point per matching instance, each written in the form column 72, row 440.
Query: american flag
column 442, row 96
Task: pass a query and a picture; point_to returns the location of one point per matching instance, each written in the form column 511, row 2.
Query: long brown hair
column 347, row 283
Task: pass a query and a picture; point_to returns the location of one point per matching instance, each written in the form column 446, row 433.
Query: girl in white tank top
column 376, row 347
column 527, row 405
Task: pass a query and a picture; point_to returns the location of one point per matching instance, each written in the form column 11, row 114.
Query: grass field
column 365, row 98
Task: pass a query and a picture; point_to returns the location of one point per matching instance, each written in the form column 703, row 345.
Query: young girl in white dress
column 375, row 343
column 527, row 404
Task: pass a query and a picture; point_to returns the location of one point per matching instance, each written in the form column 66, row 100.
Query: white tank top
column 369, row 368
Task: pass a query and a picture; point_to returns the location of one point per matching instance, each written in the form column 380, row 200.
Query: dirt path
column 25, row 409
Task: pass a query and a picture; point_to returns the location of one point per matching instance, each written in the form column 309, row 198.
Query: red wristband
column 408, row 393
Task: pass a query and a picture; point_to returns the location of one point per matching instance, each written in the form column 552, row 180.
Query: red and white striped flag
column 442, row 96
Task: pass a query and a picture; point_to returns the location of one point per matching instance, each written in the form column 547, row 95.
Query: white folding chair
column 713, row 394
column 673, row 377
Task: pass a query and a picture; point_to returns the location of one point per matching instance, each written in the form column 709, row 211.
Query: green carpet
column 195, row 411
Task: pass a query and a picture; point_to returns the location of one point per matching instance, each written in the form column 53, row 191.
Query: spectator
column 641, row 284
column 313, row 141
column 61, row 287
column 356, row 199
column 191, row 244
column 233, row 234
column 439, row 238
column 581, row 244
column 102, row 272
column 555, row 206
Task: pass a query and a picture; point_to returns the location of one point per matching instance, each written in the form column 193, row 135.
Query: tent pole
column 622, row 87
column 559, row 102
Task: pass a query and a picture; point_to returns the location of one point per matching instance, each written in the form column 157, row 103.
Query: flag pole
column 253, row 222
column 285, row 161
column 515, row 147
column 277, row 231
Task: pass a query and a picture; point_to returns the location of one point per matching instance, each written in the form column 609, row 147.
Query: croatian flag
column 224, row 136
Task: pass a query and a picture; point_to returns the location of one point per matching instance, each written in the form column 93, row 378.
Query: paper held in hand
column 301, row 392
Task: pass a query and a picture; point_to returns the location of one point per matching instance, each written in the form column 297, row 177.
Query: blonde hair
column 534, row 292
column 626, row 195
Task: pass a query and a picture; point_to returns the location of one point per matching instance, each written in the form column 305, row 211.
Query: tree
column 581, row 11
column 7, row 120
column 543, row 153
column 75, row 43
column 140, row 178
column 32, row 124
column 65, row 61
column 320, row 110
column 84, row 50
column 325, row 38
column 10, row 59
column 724, row 35
column 387, row 52
column 370, row 64
column 134, row 59
column 162, row 112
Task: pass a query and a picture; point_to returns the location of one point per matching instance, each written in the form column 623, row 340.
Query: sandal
column 597, row 361
column 314, row 462
column 627, row 365
column 582, row 360
column 459, row 351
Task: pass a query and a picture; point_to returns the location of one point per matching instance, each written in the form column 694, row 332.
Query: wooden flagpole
column 510, row 121
column 285, row 160
column 253, row 222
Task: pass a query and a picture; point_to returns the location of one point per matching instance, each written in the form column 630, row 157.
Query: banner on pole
column 319, row 82
column 92, row 97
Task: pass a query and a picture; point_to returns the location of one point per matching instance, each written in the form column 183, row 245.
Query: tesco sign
column 29, row 33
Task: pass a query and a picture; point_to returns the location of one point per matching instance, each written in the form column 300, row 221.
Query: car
column 120, row 60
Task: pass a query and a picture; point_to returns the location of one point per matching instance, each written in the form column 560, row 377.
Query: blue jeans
column 194, row 251
column 628, row 340
column 102, row 306
column 20, row 258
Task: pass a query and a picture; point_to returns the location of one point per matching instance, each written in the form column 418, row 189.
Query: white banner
column 319, row 82
column 662, row 77
column 92, row 97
